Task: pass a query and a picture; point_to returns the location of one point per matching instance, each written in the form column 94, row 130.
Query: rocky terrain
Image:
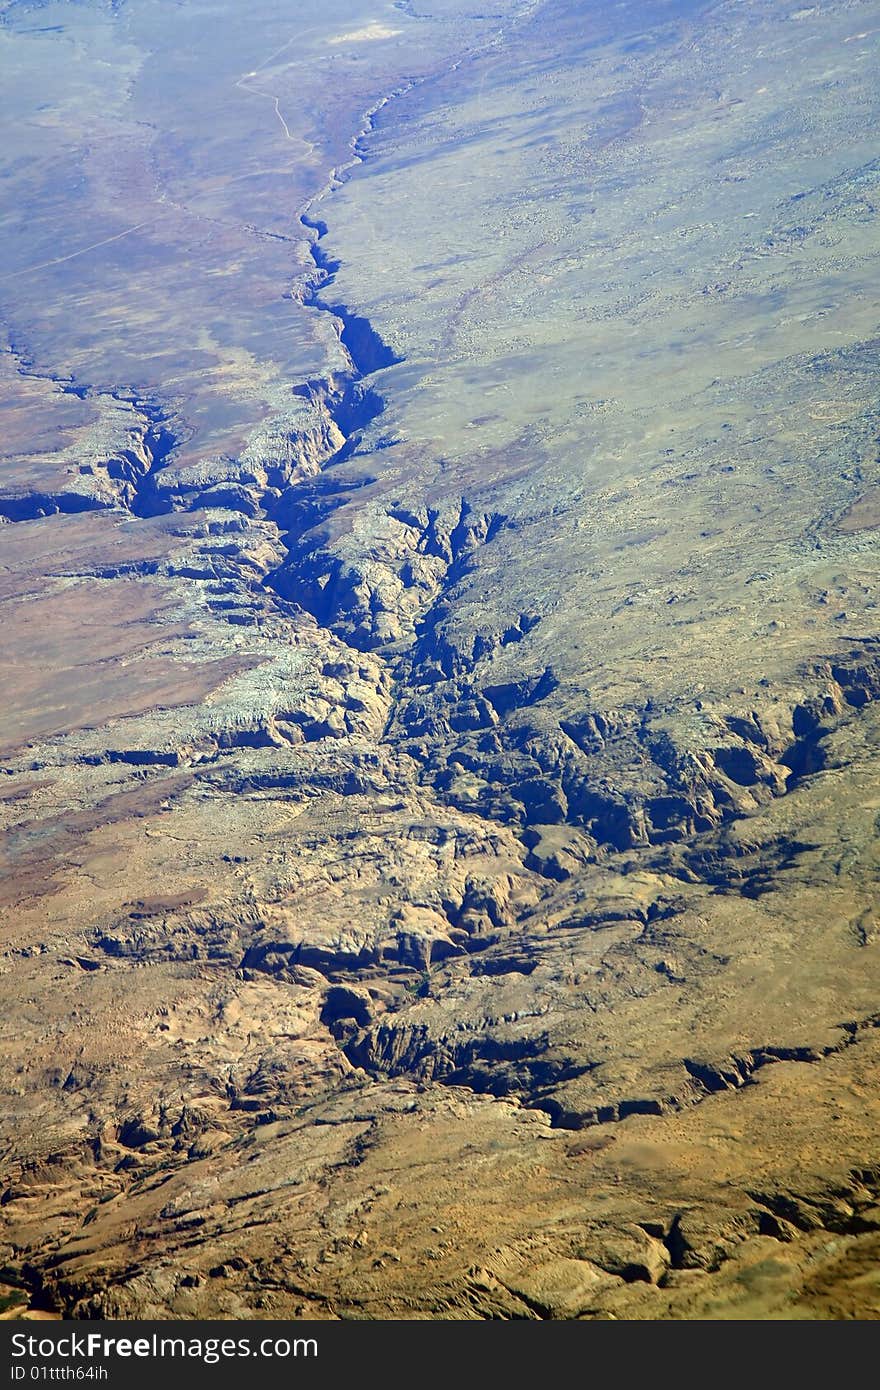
column 440, row 491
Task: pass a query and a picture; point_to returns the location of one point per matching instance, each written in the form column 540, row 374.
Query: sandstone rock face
column 438, row 570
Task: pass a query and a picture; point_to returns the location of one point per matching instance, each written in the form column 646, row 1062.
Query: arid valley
column 440, row 695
